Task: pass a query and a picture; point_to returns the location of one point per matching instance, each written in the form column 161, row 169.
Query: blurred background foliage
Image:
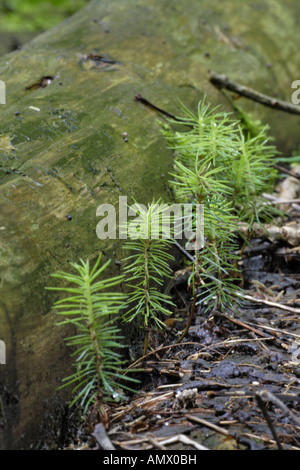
column 22, row 20
column 35, row 15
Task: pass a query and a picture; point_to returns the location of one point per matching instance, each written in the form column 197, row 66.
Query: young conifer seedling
column 147, row 267
column 92, row 309
column 217, row 166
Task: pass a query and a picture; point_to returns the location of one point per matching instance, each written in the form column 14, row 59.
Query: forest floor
column 234, row 381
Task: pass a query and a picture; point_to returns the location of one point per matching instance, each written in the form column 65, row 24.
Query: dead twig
column 269, row 396
column 161, row 349
column 184, row 440
column 277, row 331
column 291, row 397
column 209, row 425
column 102, row 438
column 222, row 81
column 183, row 251
column 267, row 302
column 135, row 421
column 263, row 439
column 286, row 171
column 192, row 313
column 140, row 98
column 255, row 250
column 155, row 443
column 240, row 323
column 268, row 419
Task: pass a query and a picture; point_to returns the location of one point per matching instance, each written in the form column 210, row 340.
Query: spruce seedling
column 147, row 267
column 216, row 165
column 224, row 155
column 99, row 367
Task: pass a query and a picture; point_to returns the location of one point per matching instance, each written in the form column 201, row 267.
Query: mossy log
column 69, row 99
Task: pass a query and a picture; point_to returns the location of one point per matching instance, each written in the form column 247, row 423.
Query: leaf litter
column 234, row 381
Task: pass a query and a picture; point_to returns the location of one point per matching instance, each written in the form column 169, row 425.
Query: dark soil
column 234, row 381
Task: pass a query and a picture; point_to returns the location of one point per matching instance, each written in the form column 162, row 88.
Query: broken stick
column 222, row 81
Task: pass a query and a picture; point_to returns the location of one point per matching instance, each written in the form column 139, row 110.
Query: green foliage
column 218, row 166
column 215, row 157
column 148, row 266
column 251, row 127
column 92, row 311
column 293, row 160
column 252, row 174
column 210, row 137
column 36, row 15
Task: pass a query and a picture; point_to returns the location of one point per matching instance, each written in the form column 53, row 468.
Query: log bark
column 70, row 96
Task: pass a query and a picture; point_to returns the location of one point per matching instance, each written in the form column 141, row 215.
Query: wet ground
column 234, row 381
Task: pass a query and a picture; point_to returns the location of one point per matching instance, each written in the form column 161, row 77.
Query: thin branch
column 253, row 251
column 279, row 331
column 268, row 420
column 183, row 251
column 140, row 98
column 155, row 443
column 266, row 395
column 286, row 171
column 267, row 302
column 185, row 332
column 240, row 323
column 183, row 440
column 275, row 200
column 222, row 81
column 161, row 349
column 209, row 425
